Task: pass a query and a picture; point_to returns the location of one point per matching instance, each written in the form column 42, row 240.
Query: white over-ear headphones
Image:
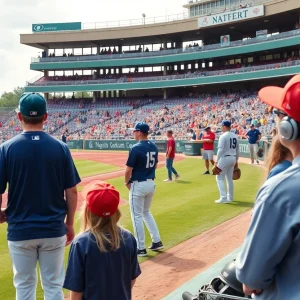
column 289, row 128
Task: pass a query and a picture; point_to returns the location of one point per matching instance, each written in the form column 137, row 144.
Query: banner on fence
column 187, row 147
column 75, row 144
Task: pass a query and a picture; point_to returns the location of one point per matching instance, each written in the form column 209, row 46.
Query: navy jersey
column 253, row 136
column 102, row 275
column 143, row 158
column 64, row 138
column 38, row 169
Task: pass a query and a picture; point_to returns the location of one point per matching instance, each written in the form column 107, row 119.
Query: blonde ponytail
column 106, row 230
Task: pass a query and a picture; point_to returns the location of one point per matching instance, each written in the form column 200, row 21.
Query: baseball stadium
column 183, row 74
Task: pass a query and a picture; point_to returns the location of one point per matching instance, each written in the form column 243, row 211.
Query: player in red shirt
column 208, row 139
column 170, row 155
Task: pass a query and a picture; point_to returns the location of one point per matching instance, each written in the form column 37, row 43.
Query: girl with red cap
column 103, row 258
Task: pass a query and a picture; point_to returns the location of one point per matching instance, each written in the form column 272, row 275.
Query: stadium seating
column 110, row 119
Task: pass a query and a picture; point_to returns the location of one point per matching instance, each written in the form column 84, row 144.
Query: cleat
column 156, row 246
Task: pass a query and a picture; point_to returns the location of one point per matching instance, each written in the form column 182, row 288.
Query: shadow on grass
column 183, row 181
column 241, row 204
column 177, row 264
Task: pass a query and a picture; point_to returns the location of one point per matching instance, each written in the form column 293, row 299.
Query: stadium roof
column 279, row 16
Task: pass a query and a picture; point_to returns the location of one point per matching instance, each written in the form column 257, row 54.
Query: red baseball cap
column 286, row 99
column 102, row 199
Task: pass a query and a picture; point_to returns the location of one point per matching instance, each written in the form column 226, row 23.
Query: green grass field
column 89, row 168
column 182, row 209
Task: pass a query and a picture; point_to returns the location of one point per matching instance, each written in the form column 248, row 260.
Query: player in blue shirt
column 253, row 136
column 103, row 260
column 139, row 179
column 39, row 170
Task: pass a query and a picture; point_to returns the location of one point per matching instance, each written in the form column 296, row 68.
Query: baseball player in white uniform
column 139, row 179
column 227, row 159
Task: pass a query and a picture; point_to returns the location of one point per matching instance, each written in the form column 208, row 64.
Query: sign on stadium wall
column 262, row 34
column 56, row 27
column 232, row 16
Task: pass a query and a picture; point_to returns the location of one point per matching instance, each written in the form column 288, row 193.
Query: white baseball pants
column 226, row 164
column 140, row 199
column 50, row 255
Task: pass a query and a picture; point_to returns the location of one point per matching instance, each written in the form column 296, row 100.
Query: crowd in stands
column 184, row 116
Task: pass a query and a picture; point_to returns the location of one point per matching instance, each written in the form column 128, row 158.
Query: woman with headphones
column 269, row 262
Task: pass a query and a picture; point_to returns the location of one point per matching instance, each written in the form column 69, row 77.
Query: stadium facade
column 251, row 42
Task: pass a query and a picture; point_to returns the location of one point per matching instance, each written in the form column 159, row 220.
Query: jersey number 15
column 150, row 160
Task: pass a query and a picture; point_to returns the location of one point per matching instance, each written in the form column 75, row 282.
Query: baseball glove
column 236, row 174
column 260, row 152
column 216, row 170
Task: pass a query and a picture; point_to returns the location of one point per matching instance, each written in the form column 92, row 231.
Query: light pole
column 144, row 16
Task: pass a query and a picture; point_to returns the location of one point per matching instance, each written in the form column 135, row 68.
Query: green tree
column 11, row 99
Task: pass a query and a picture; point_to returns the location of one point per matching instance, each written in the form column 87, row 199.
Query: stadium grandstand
column 181, row 72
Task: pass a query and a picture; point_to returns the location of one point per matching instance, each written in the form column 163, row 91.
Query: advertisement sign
column 225, row 40
column 262, row 34
column 232, row 16
column 56, row 27
column 75, row 144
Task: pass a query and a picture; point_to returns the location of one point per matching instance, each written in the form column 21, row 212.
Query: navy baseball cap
column 226, row 123
column 207, row 128
column 32, row 105
column 252, row 125
column 142, row 127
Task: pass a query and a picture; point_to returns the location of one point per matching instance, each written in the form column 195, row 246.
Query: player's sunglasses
column 278, row 112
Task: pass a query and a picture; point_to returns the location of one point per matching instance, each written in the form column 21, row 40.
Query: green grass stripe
column 88, row 168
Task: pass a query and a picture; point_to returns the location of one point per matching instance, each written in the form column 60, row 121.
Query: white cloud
column 18, row 16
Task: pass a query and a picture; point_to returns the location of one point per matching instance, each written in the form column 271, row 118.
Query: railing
column 136, row 22
column 201, row 49
column 196, row 74
column 36, row 78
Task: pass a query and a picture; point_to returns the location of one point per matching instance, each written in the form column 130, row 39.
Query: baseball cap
column 142, row 127
column 286, row 99
column 32, row 105
column 251, row 125
column 102, row 199
column 226, row 123
column 207, row 128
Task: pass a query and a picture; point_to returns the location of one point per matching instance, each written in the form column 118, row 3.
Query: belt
column 135, row 181
column 229, row 155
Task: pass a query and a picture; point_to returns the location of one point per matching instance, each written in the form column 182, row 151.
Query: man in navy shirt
column 64, row 137
column 253, row 136
column 139, row 179
column 39, row 170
